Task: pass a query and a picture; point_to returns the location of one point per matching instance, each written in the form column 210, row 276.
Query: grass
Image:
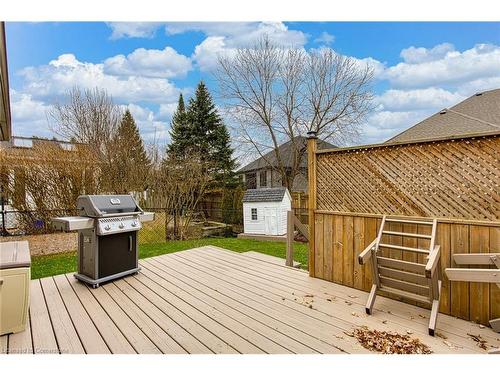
column 49, row 265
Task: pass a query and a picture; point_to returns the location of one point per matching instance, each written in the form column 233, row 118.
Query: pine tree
column 209, row 137
column 130, row 160
column 179, row 133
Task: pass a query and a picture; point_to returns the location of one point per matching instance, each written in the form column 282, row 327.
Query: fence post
column 311, row 179
column 289, row 238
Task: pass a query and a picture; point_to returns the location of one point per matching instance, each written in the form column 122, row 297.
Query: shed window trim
column 254, row 214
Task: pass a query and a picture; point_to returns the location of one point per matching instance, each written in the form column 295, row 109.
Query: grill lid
column 106, row 205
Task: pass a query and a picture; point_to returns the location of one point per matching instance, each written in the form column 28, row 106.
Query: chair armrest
column 366, row 254
column 432, row 261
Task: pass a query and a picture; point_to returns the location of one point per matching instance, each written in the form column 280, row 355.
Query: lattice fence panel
column 452, row 179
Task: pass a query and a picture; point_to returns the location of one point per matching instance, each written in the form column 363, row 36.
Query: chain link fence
column 166, row 226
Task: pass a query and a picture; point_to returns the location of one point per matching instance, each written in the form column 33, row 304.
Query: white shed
column 265, row 211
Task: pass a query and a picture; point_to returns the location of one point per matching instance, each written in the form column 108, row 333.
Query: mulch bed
column 389, row 343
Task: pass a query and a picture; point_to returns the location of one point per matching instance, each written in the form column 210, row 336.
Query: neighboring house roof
column 264, row 195
column 286, row 152
column 475, row 115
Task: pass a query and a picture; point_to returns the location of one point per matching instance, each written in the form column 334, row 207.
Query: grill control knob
column 107, row 227
column 121, row 226
column 134, row 223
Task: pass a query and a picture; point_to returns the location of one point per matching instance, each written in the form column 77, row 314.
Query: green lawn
column 48, row 265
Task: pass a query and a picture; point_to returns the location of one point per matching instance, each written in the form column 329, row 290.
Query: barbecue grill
column 107, row 236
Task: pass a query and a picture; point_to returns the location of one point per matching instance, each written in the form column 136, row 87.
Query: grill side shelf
column 72, row 223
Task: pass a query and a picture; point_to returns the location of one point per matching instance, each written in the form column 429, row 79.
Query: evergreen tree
column 130, row 160
column 179, row 133
column 209, row 137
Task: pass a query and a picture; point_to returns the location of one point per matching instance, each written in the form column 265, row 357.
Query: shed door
column 271, row 221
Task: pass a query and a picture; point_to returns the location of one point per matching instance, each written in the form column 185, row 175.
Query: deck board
column 405, row 313
column 211, row 300
column 66, row 336
column 90, row 337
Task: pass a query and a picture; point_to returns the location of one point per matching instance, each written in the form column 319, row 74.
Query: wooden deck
column 209, row 300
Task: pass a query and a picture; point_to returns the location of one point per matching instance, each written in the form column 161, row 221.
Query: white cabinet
column 15, row 263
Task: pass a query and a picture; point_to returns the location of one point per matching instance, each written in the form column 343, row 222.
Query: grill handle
column 130, row 243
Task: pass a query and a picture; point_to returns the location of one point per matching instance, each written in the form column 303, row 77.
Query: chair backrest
column 400, row 274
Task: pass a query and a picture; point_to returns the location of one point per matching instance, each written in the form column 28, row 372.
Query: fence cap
column 14, row 254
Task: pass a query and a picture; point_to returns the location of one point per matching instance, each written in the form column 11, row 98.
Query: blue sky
column 419, row 68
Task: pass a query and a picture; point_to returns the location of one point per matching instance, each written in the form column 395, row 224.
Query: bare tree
column 179, row 186
column 274, row 94
column 89, row 116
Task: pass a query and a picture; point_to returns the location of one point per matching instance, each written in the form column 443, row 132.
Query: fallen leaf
column 479, row 341
column 422, row 316
column 409, row 332
column 384, row 321
column 355, row 314
column 309, row 296
column 481, row 326
column 353, row 296
column 348, row 302
column 389, row 343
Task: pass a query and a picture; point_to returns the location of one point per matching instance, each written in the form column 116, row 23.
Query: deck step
column 405, row 248
column 404, row 221
column 427, row 236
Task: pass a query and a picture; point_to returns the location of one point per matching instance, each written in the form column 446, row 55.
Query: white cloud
column 166, row 63
column 240, row 34
column 29, row 116
column 383, row 125
column 430, row 98
column 325, row 38
column 207, row 52
column 224, row 38
column 166, row 111
column 431, row 68
column 65, row 72
column 413, row 55
column 133, row 29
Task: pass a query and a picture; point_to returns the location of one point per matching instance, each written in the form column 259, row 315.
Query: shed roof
column 477, row 114
column 264, row 195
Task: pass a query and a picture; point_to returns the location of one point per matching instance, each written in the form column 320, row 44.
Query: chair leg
column 433, row 318
column 371, row 299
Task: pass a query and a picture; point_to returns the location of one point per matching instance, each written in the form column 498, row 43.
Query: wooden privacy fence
column 455, row 181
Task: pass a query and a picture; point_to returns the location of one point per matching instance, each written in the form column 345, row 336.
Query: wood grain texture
column 494, row 289
column 211, row 300
column 460, row 290
column 479, row 292
column 478, row 301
